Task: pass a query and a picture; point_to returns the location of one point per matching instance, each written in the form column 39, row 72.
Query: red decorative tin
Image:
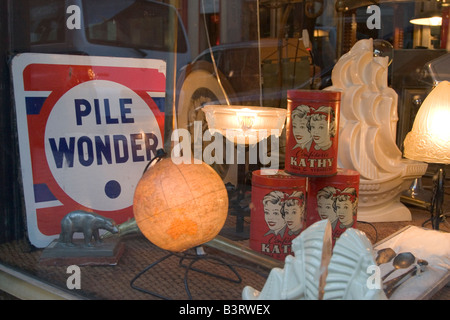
column 277, row 212
column 334, row 198
column 312, row 132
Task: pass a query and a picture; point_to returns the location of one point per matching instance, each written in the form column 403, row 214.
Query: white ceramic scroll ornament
column 314, row 274
column 352, row 270
column 303, row 276
column 367, row 134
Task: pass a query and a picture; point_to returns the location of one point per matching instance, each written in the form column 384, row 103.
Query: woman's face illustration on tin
column 272, row 214
column 345, row 205
column 319, row 131
column 323, row 127
column 325, row 208
column 300, row 126
column 344, row 210
column 300, row 130
column 293, row 215
column 325, row 201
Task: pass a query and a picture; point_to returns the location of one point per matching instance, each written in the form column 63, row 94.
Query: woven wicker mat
column 167, row 278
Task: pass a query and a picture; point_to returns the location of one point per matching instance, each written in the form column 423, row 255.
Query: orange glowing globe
column 180, row 206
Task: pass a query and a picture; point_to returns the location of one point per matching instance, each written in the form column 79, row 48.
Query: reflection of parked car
column 284, row 65
column 117, row 28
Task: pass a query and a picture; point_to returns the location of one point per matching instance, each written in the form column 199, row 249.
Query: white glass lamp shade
column 429, row 139
column 243, row 124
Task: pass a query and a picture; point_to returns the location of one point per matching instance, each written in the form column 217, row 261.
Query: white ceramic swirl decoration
column 303, row 276
column 315, row 274
column 368, row 132
column 350, row 269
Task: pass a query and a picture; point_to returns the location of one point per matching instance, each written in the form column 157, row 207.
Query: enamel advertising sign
column 87, row 128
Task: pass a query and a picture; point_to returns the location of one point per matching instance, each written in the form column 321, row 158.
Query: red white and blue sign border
column 87, row 127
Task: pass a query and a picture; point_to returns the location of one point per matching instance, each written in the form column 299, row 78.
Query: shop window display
column 214, row 52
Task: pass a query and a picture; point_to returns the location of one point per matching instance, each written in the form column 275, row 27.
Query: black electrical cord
column 160, row 154
column 313, row 61
column 373, row 227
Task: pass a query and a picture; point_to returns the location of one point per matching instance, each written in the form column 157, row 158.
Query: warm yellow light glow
column 438, row 123
column 428, row 21
column 318, row 33
column 243, row 124
column 246, row 118
column 429, row 139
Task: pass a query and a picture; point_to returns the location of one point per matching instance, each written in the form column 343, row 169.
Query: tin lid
column 314, row 95
column 280, row 179
column 347, row 172
column 342, row 175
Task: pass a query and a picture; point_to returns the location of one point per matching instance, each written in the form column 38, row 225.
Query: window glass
column 135, row 24
column 47, row 21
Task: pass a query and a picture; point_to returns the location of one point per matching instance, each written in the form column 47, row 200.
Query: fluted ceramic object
column 315, row 273
column 367, row 134
column 303, row 276
column 348, row 277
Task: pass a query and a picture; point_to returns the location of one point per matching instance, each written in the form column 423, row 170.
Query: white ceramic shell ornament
column 303, row 276
column 350, row 269
column 314, row 273
column 367, row 134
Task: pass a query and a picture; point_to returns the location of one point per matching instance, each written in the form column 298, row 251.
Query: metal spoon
column 391, row 285
column 385, row 255
column 401, row 261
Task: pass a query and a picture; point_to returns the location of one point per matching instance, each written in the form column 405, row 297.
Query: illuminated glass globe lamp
column 429, row 141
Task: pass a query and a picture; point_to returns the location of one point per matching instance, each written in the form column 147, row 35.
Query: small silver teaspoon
column 401, row 261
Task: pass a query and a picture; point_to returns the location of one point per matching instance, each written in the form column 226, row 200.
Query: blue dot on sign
column 112, row 189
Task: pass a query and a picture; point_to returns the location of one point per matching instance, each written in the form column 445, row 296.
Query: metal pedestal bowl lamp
column 244, row 126
column 429, row 141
